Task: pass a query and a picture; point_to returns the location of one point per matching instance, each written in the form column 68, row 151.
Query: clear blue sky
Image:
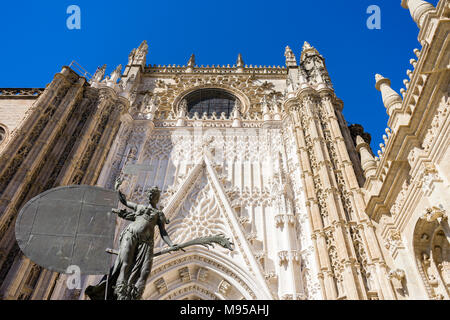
column 36, row 42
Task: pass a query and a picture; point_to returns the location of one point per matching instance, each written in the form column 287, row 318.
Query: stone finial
column 291, row 61
column 239, row 61
column 191, row 62
column 403, row 92
column 413, row 62
column 240, row 64
column 391, row 99
column 306, row 46
column 419, row 9
column 115, row 75
column 308, row 50
column 142, row 50
column 99, row 74
column 417, row 52
column 368, row 162
column 138, row 56
column 406, row 83
column 409, row 73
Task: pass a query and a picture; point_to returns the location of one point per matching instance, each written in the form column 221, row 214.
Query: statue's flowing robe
column 142, row 244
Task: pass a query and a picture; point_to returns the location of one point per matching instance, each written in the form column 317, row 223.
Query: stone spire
column 391, row 99
column 240, row 64
column 191, row 64
column 291, row 61
column 418, row 9
column 138, row 56
column 308, row 50
column 313, row 65
column 99, row 74
column 111, row 81
column 368, row 162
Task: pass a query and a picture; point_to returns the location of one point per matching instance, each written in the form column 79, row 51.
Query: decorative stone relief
column 435, row 214
column 224, row 287
column 191, row 289
column 201, row 212
column 202, row 274
column 160, row 285
column 398, row 278
column 185, row 275
column 394, row 241
column 297, row 296
column 289, row 256
column 428, row 177
column 240, row 85
column 401, row 198
column 438, row 121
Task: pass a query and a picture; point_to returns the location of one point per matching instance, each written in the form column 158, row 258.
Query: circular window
column 209, row 101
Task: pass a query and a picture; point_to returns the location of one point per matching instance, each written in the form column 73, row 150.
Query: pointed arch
column 432, row 254
column 219, row 269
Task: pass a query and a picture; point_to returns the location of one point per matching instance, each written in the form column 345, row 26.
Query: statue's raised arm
column 122, row 197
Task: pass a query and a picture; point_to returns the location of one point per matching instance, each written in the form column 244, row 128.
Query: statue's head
column 153, row 195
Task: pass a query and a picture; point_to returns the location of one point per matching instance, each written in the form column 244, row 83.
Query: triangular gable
column 213, row 214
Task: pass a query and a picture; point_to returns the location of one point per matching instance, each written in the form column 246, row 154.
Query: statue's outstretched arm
column 124, row 214
column 122, row 197
column 125, row 202
column 162, row 220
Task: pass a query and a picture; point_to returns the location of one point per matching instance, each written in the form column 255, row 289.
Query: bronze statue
column 127, row 278
column 135, row 256
column 93, row 224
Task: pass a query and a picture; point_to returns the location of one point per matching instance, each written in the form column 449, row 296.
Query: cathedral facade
column 260, row 154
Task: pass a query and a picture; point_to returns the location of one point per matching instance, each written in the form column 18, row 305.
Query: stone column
column 312, row 205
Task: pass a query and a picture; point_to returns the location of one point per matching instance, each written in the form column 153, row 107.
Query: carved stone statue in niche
column 426, row 264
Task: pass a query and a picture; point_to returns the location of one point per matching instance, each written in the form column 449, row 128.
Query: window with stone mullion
column 209, row 101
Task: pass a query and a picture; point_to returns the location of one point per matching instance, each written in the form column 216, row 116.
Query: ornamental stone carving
column 436, row 213
column 224, row 287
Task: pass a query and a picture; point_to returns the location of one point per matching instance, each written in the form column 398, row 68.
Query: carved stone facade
column 312, row 213
column 407, row 195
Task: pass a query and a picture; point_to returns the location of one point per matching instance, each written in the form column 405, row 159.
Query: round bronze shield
column 69, row 226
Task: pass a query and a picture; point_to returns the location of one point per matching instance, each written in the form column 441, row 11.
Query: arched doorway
column 432, row 255
column 200, row 274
